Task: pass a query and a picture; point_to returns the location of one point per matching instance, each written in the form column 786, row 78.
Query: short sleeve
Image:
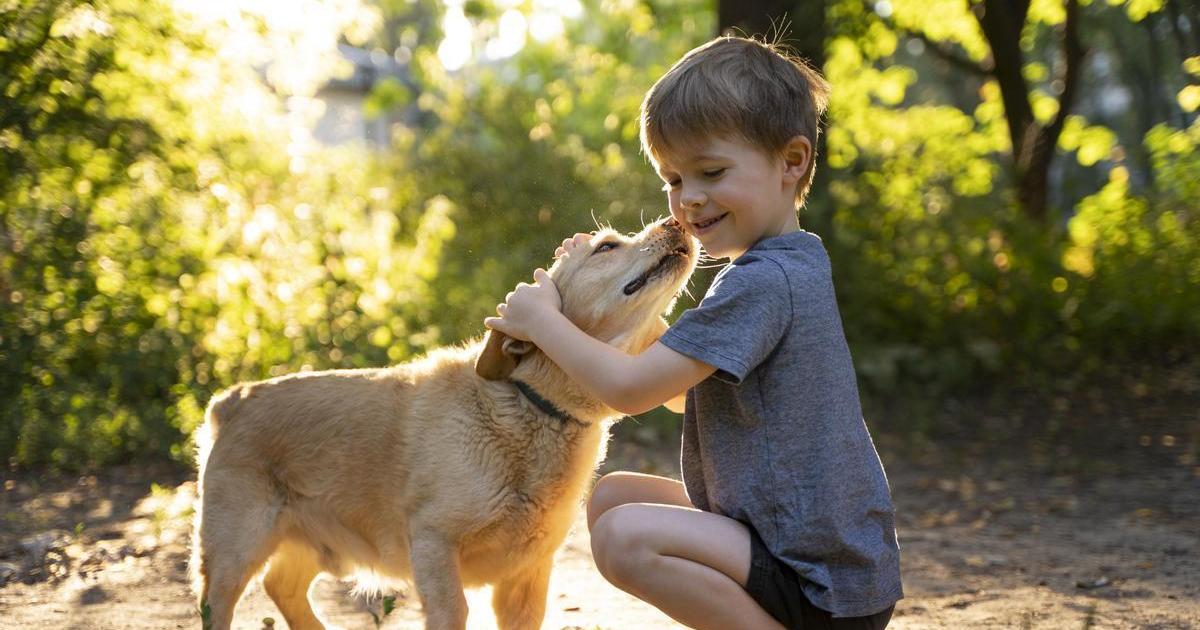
column 741, row 319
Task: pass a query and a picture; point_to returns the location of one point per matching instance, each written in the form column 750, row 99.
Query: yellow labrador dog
column 460, row 469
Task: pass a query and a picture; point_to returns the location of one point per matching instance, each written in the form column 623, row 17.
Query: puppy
column 459, row 469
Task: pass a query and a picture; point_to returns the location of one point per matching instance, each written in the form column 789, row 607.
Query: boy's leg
column 619, row 488
column 692, row 565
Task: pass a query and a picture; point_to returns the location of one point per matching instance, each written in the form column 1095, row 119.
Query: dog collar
column 546, row 406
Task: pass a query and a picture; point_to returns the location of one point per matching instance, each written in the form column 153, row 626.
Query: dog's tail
column 221, row 411
column 223, row 407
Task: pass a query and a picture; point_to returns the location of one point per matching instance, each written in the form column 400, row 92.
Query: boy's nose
column 691, row 199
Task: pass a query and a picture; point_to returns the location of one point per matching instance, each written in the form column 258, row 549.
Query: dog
column 460, row 469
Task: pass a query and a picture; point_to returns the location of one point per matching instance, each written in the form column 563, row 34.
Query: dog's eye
column 605, row 246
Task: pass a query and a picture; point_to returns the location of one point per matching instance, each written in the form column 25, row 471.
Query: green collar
column 544, row 405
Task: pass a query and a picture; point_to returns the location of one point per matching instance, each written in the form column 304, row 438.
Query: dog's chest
column 525, row 529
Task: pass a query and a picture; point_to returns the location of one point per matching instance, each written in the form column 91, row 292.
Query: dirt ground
column 988, row 541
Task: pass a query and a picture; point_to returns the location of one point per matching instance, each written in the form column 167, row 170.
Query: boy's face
column 730, row 194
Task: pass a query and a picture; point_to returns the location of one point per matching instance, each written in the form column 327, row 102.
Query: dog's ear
column 500, row 355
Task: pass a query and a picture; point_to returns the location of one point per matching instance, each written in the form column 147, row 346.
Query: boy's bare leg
column 619, row 488
column 648, row 540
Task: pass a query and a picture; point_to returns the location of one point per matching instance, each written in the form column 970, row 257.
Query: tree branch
column 1074, row 53
column 948, row 54
column 938, row 48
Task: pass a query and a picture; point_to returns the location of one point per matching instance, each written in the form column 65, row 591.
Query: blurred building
column 345, row 119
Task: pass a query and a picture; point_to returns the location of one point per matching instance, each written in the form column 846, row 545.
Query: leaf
column 1189, row 98
column 1137, row 10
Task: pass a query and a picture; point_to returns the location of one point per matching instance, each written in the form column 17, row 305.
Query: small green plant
column 162, row 502
column 389, row 604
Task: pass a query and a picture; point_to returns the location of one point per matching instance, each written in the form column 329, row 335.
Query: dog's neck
column 547, row 379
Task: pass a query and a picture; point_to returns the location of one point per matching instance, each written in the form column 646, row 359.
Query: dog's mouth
column 666, row 263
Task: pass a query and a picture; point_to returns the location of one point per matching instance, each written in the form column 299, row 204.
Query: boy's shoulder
column 799, row 243
column 794, row 257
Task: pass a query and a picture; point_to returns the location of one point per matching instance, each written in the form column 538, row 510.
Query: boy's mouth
column 700, row 227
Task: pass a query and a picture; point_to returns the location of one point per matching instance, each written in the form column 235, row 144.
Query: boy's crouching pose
column 784, row 515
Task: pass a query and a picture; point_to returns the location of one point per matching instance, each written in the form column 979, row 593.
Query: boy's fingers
column 541, row 276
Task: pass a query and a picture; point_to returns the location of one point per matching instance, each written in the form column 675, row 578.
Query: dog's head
column 615, row 288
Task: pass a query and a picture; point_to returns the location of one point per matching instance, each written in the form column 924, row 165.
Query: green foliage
column 158, row 246
column 1135, row 259
column 163, row 233
column 540, row 147
column 943, row 281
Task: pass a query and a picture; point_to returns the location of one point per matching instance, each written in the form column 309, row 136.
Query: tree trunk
column 1033, row 145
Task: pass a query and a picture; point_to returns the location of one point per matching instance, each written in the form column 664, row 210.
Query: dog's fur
column 439, row 471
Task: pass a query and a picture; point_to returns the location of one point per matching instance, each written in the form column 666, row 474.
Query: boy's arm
column 631, row 384
column 677, row 403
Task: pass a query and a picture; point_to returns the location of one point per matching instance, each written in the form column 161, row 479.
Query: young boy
column 784, row 515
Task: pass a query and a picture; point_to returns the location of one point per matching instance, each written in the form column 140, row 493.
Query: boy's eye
column 670, row 185
column 605, row 246
column 716, row 172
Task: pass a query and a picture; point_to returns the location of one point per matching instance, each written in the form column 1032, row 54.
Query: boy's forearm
column 607, row 372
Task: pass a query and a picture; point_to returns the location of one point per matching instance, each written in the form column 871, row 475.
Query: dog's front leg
column 435, row 574
column 520, row 600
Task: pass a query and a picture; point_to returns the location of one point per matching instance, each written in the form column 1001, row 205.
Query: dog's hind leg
column 436, row 576
column 520, row 601
column 290, row 573
column 236, row 536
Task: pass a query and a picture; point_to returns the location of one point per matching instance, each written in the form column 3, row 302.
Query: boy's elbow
column 633, row 409
column 629, row 398
column 676, row 404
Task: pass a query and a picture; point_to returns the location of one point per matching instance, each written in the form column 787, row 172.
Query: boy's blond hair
column 732, row 86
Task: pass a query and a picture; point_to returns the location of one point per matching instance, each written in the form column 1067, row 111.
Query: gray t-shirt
column 775, row 437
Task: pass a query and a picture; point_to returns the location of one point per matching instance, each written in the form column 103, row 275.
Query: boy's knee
column 605, row 496
column 618, row 550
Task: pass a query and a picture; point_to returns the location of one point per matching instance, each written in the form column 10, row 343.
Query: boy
column 784, row 515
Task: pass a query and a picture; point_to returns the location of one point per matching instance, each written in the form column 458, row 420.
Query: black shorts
column 776, row 587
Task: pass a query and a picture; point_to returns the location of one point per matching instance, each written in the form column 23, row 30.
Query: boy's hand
column 525, row 307
column 569, row 244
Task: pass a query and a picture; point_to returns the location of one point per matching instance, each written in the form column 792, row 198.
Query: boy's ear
column 797, row 154
column 500, row 355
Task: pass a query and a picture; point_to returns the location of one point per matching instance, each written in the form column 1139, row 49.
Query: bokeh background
column 198, row 192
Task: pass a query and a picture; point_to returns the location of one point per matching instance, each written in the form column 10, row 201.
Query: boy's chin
column 718, row 251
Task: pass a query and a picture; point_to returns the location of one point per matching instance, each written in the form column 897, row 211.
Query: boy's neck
column 789, row 225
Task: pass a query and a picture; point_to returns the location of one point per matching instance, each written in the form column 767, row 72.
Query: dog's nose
column 671, row 223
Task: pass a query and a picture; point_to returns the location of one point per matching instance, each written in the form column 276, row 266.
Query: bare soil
column 995, row 536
